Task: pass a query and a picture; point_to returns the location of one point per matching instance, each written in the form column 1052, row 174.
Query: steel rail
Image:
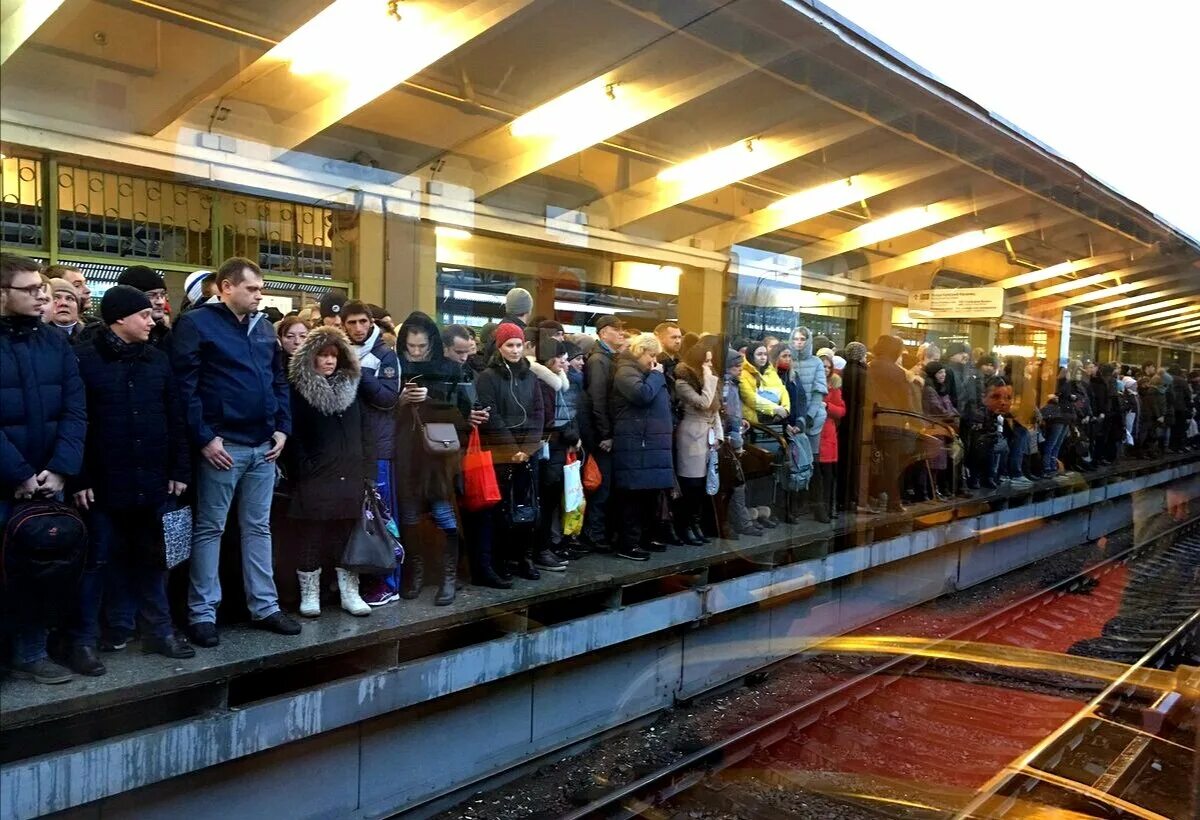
column 633, row 799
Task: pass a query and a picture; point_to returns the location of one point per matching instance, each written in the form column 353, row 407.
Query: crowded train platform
column 350, row 402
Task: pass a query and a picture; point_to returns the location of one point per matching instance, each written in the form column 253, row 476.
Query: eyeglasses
column 34, row 291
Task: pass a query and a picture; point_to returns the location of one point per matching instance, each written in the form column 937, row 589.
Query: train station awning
column 684, row 128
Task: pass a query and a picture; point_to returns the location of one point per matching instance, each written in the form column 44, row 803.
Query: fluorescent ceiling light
column 1006, row 325
column 963, row 242
column 581, row 307
column 1065, row 287
column 1061, row 269
column 473, row 296
column 448, row 232
column 1169, row 317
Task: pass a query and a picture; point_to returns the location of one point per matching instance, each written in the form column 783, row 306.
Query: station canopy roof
column 748, row 126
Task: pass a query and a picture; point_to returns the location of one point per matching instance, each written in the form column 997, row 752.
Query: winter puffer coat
column 835, row 410
column 759, row 407
column 701, row 417
column 643, row 440
column 329, row 457
column 379, row 391
column 598, row 376
column 809, row 374
column 137, row 434
column 43, row 411
column 517, row 420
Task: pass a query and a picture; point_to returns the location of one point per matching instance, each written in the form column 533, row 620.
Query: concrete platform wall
column 367, row 746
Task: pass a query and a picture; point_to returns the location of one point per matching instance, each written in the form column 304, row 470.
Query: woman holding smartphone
column 513, row 432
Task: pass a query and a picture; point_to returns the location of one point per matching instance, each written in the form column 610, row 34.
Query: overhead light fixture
column 582, row 307
column 1006, row 325
column 1024, row 351
column 829, row 296
column 473, row 296
column 733, row 160
column 448, row 232
column 1065, row 287
column 1061, row 269
column 602, row 104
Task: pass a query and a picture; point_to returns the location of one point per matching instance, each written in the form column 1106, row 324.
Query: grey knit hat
column 518, row 302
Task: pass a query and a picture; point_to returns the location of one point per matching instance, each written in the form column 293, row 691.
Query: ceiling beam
column 900, row 223
column 813, row 202
column 1115, row 290
column 968, row 241
column 1064, row 287
column 1153, row 305
column 689, row 179
column 349, row 54
column 22, row 19
column 1168, row 317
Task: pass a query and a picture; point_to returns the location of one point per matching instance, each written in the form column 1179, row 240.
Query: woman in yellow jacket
column 764, row 397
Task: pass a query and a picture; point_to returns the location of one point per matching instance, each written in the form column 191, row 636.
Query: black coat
column 597, row 380
column 137, row 433
column 518, row 418
column 43, row 413
column 643, row 424
column 330, row 455
column 850, row 437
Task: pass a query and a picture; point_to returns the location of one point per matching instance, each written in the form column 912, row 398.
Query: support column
column 702, row 296
column 874, row 320
column 409, row 266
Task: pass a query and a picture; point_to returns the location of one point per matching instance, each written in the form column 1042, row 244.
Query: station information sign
column 957, row 303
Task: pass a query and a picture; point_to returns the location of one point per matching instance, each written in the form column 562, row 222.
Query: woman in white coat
column 698, row 433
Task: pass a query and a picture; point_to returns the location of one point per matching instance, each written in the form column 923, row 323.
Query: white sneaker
column 1021, row 481
column 352, row 602
column 310, row 593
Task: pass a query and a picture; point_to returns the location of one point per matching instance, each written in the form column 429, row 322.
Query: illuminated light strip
column 1117, row 290
column 962, row 243
column 1061, row 269
column 1064, row 287
column 1156, row 319
column 901, row 223
column 1128, row 300
column 1148, row 297
column 814, row 202
column 1188, row 329
column 716, row 169
column 21, row 23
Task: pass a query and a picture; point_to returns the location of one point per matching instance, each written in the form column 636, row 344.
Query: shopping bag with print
column 572, row 484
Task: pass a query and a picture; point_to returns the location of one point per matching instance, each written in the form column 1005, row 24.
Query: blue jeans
column 1056, row 434
column 253, row 479
column 442, row 512
column 28, row 635
column 117, row 578
column 1017, row 449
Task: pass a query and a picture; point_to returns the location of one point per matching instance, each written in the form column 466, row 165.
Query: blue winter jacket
column 43, row 412
column 808, row 372
column 643, row 428
column 231, row 376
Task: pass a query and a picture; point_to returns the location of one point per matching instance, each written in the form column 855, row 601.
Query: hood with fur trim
column 558, row 382
column 327, row 395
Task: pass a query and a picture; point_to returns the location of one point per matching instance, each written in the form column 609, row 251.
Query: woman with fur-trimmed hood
column 329, row 459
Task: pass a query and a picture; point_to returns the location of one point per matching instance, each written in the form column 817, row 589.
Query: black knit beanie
column 120, row 301
column 142, row 278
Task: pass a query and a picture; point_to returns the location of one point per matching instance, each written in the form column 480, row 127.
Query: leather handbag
column 371, row 547
column 438, row 438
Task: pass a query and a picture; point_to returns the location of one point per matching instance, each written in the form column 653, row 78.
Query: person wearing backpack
column 135, row 460
column 43, row 423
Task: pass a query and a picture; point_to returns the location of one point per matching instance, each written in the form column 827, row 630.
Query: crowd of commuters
column 126, row 409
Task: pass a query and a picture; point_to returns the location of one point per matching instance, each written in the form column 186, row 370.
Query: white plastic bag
column 572, row 485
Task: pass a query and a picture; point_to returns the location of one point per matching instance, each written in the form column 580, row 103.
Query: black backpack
column 44, row 547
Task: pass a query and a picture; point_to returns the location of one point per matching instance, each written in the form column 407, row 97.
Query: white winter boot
column 348, row 589
column 310, row 593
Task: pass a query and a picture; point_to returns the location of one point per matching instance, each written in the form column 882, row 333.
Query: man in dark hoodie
column 229, row 370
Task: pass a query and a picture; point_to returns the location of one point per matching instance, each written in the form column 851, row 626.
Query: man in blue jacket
column 229, row 370
column 43, row 424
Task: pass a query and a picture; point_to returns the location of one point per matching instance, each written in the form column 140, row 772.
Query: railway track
column 987, row 720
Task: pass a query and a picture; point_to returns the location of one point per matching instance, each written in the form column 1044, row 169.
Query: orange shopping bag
column 480, row 488
column 591, row 475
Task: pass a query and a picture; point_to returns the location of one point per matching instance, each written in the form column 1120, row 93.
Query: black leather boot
column 445, row 593
column 412, row 576
column 483, row 568
column 698, row 534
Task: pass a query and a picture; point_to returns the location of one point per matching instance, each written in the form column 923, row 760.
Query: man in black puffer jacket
column 135, row 459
